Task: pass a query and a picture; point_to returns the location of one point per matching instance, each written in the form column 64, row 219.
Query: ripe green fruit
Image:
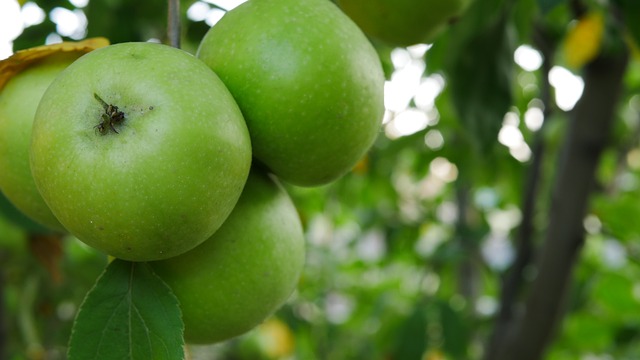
column 140, row 150
column 308, row 82
column 245, row 271
column 403, row 22
column 18, row 103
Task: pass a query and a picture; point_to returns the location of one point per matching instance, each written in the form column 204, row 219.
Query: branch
column 513, row 279
column 590, row 125
column 467, row 271
column 173, row 23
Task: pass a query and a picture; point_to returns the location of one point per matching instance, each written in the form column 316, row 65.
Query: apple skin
column 245, row 271
column 403, row 22
column 171, row 174
column 309, row 83
column 18, row 103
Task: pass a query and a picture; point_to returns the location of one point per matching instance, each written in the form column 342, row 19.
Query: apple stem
column 173, row 23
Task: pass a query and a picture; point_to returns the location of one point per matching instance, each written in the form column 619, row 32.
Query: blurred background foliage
column 407, row 252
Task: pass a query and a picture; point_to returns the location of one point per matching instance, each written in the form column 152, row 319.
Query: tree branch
column 513, row 279
column 173, row 23
column 589, row 128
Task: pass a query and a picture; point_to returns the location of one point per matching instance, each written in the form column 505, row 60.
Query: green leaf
column 548, row 5
column 129, row 314
column 614, row 213
column 630, row 10
column 412, row 341
column 455, row 332
column 480, row 72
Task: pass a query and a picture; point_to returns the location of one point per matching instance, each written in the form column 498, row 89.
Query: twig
column 173, row 23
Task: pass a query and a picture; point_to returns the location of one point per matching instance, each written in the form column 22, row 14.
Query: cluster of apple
column 403, row 22
column 148, row 153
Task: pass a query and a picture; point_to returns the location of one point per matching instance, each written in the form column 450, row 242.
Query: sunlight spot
column 443, row 169
column 614, row 254
column 447, row 213
column 338, row 307
column 403, row 85
column 32, row 14
column 568, row 87
column 528, row 58
column 592, row 224
column 66, row 310
column 430, row 238
column 503, row 221
column 69, row 23
column 213, row 16
column 534, row 118
column 371, row 247
column 522, row 152
column 53, row 38
column 387, row 117
column 497, row 251
column 407, row 122
column 510, row 136
column 430, row 187
column 486, row 305
column 418, row 51
column 486, row 198
column 400, row 57
column 428, row 90
column 226, row 4
column 79, row 3
column 430, row 283
column 198, row 11
column 434, row 140
column 11, row 27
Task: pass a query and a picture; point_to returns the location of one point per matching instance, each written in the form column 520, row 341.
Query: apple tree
column 486, row 212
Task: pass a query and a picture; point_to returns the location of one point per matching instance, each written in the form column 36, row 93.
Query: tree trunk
column 590, row 125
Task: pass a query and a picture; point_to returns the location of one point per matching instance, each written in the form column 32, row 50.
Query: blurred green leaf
column 584, row 330
column 455, row 331
column 411, row 341
column 614, row 293
column 124, row 21
column 129, row 314
column 630, row 11
column 480, row 71
column 614, row 213
column 548, row 5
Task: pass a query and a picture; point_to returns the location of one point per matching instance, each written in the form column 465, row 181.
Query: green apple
column 403, row 22
column 139, row 150
column 18, row 102
column 245, row 271
column 308, row 82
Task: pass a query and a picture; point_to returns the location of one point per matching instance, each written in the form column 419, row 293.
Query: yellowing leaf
column 362, row 166
column 584, row 40
column 434, row 355
column 276, row 339
column 23, row 59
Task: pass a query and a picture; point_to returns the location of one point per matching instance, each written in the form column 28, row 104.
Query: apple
column 309, row 84
column 24, row 78
column 139, row 150
column 403, row 22
column 245, row 271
